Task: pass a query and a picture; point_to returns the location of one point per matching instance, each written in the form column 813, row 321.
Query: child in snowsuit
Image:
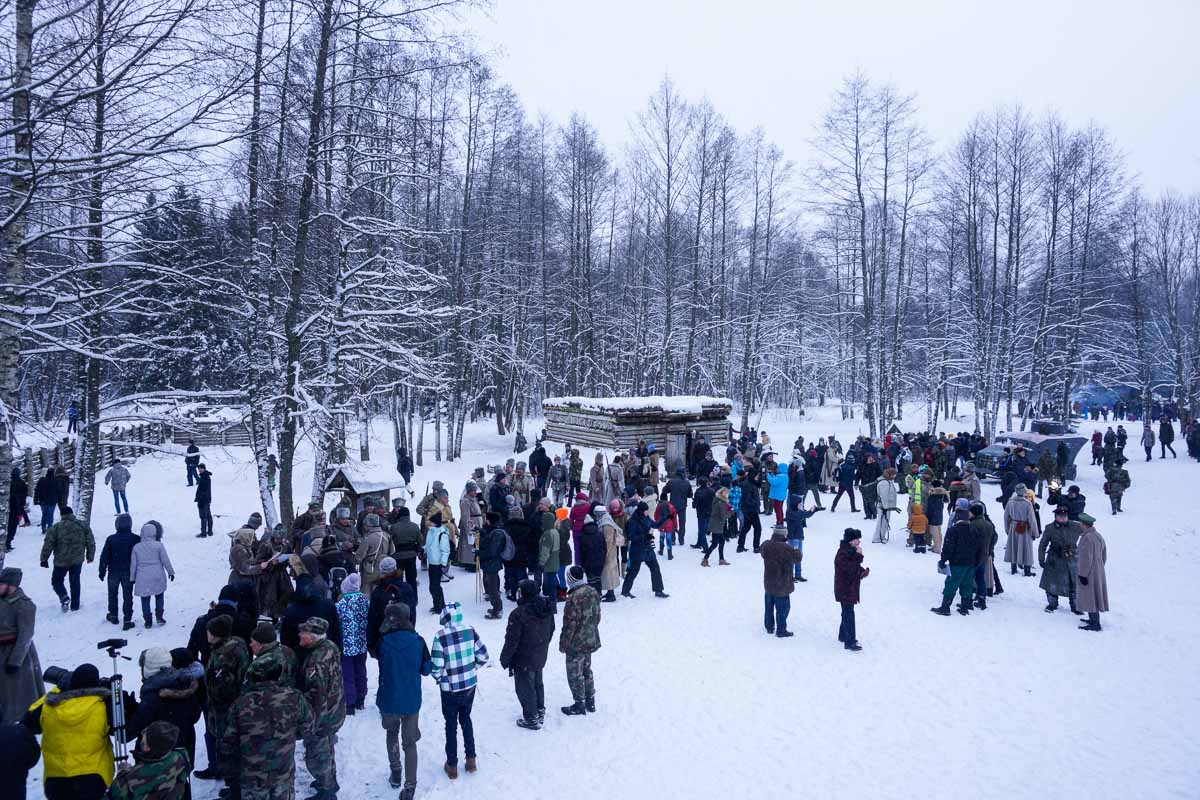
column 918, row 524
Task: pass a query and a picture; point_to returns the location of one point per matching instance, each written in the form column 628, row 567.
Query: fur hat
column 254, row 521
column 851, row 534
column 371, row 521
column 528, row 589
column 395, row 613
column 10, row 576
column 152, row 530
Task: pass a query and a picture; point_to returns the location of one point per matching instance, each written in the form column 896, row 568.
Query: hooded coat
column 614, row 540
column 74, row 727
column 242, row 564
column 527, row 639
column 149, row 567
column 403, row 659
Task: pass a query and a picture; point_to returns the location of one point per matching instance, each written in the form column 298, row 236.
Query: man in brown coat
column 779, row 561
column 1092, row 595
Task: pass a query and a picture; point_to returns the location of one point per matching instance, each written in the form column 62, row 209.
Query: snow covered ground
column 696, row 700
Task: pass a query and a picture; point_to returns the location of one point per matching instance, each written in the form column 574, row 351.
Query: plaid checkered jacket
column 457, row 653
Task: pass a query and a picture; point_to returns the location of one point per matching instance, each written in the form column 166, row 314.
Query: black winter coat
column 525, row 542
column 118, row 549
column 964, row 547
column 678, row 490
column 388, row 591
column 1075, row 505
column 308, row 602
column 45, row 491
column 491, row 546
column 204, row 487
column 527, row 639
column 703, row 502
column 172, row 698
column 592, row 549
column 18, row 493
column 243, row 626
column 21, row 754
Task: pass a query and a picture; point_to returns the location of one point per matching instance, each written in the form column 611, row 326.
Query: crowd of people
column 281, row 654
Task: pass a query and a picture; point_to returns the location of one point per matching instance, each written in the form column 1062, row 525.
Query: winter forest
column 339, row 210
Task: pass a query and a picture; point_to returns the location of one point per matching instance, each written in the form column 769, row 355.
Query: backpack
column 510, row 549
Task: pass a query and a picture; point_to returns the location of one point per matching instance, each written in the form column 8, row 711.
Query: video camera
column 61, row 677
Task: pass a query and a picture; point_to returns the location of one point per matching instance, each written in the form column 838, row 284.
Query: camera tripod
column 117, row 699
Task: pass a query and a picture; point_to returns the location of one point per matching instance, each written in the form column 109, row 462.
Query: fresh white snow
column 675, row 404
column 697, row 701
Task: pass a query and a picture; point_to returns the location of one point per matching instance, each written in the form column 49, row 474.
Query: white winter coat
column 149, row 567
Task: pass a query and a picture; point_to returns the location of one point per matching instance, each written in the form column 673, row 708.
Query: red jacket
column 665, row 513
column 578, row 512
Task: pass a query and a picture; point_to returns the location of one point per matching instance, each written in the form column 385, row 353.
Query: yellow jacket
column 75, row 733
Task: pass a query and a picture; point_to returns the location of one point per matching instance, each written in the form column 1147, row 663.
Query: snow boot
column 670, row 556
column 541, row 716
column 630, row 595
column 149, row 622
column 158, row 615
column 943, row 609
column 590, row 704
column 128, row 625
column 349, row 710
column 360, row 705
column 206, row 774
column 396, row 779
column 963, row 609
column 853, row 647
column 609, row 597
column 112, row 618
column 801, row 579
column 1029, row 573
column 528, row 724
column 1014, row 570
column 576, row 709
column 661, row 595
column 65, row 603
column 491, row 615
column 704, row 563
column 722, row 563
column 981, row 602
column 1075, row 609
column 1051, row 608
column 451, row 770
column 470, row 764
column 408, row 793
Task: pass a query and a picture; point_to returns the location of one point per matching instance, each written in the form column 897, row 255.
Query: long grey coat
column 1019, row 547
column 18, row 692
column 1093, row 554
column 149, row 567
column 1057, row 554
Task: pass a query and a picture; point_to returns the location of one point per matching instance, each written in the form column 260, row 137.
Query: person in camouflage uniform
column 260, row 737
column 579, row 639
column 321, row 681
column 267, row 651
column 160, row 769
column 70, row 541
column 223, row 676
column 575, row 472
column 1116, row 481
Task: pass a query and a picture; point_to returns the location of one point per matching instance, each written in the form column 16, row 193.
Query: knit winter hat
column 962, row 503
column 352, row 583
column 220, row 626
column 159, row 738
column 314, row 625
column 397, row 612
column 10, row 576
column 528, row 589
column 581, row 497
column 124, row 523
column 387, row 565
column 576, row 577
column 152, row 530
column 181, row 658
column 155, row 660
column 851, row 534
column 264, row 633
column 254, row 521
column 85, row 676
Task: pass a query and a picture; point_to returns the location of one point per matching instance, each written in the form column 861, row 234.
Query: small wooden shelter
column 619, row 423
column 360, row 481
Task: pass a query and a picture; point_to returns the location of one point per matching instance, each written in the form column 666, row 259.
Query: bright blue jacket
column 403, row 659
column 779, row 485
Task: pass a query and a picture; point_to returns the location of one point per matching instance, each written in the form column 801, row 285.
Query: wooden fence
column 131, row 442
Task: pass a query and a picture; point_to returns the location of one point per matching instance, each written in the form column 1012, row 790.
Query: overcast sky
column 1132, row 66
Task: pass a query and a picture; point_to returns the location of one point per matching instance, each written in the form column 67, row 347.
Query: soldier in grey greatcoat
column 21, row 683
